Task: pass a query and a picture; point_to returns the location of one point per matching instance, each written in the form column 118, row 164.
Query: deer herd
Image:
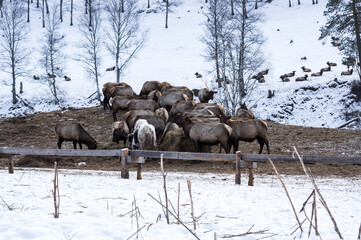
column 145, row 120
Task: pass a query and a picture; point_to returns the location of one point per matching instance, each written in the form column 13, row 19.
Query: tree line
column 114, row 25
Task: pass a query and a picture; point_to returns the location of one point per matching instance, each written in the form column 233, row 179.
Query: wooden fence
column 127, row 157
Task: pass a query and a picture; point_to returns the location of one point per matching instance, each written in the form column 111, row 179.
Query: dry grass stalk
column 189, row 184
column 56, row 194
column 179, row 201
column 10, row 207
column 245, row 234
column 319, row 193
column 289, row 198
column 165, row 188
column 175, row 216
column 359, row 233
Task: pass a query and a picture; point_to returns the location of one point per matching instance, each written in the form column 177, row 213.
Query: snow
column 95, row 205
column 176, row 53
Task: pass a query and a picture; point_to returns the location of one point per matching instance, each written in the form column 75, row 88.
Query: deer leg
column 74, row 144
column 60, row 141
column 235, row 146
column 261, row 143
column 105, row 102
column 80, row 146
column 226, row 146
column 115, row 114
column 267, row 144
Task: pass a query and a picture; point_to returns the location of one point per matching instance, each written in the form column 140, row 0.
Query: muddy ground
column 37, row 131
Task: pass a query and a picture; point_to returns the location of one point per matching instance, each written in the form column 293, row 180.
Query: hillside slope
column 176, row 53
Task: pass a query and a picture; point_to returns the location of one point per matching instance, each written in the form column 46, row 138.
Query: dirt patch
column 37, row 131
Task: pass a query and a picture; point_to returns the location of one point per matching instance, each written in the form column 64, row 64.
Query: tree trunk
column 15, row 100
column 232, row 7
column 166, row 13
column 242, row 52
column 28, row 20
column 289, row 3
column 148, row 4
column 86, row 6
column 122, row 5
column 90, row 12
column 61, row 10
column 47, row 7
column 299, row 2
column 37, row 3
column 43, row 13
column 358, row 40
column 256, row 5
column 71, row 13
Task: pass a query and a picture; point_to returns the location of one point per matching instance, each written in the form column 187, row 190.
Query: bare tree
column 216, row 33
column 91, row 45
column 52, row 58
column 234, row 44
column 123, row 34
column 13, row 30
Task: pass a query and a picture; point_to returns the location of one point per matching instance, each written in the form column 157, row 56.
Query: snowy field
column 96, row 205
column 176, row 53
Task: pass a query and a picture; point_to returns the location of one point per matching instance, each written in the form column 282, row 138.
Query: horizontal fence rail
column 138, row 156
column 181, row 155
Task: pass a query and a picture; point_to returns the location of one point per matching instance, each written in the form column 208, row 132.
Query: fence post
column 139, row 172
column 11, row 166
column 238, row 168
column 124, row 164
column 249, row 165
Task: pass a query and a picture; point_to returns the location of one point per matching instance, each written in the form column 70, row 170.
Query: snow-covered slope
column 176, row 53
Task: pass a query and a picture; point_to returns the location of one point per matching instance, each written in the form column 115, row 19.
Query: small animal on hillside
column 67, row 78
column 110, row 69
column 74, row 131
column 347, row 73
column 304, row 58
column 36, row 77
column 335, row 43
column 331, row 64
column 300, row 79
column 305, row 69
column 143, row 137
column 327, row 69
column 335, row 38
column 261, row 80
column 205, row 95
column 289, row 74
column 317, row 74
column 264, row 72
column 198, row 75
column 51, row 75
column 120, row 131
column 285, row 79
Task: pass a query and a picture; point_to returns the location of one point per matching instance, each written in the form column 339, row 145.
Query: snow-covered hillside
column 176, row 53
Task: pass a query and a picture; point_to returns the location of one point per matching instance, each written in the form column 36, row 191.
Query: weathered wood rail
column 137, row 156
